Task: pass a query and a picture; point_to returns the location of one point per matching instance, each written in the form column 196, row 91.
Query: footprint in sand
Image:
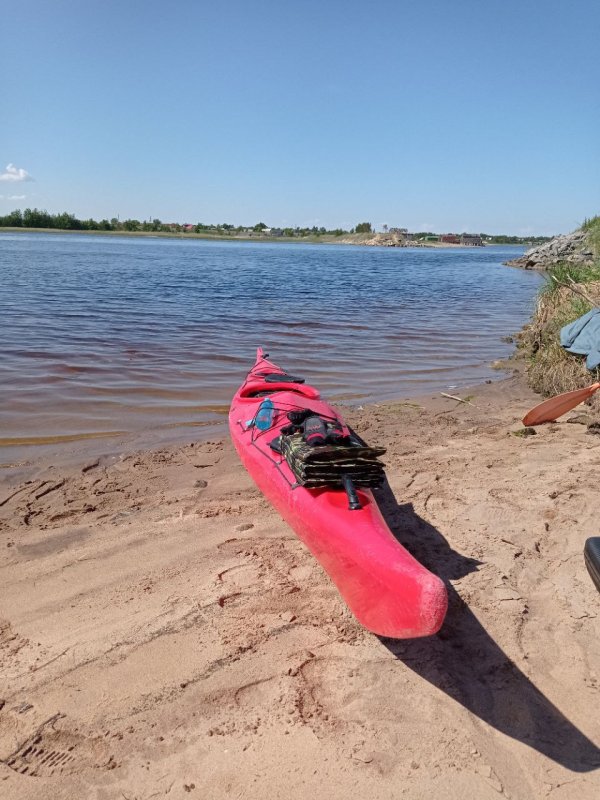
column 355, row 691
column 263, row 693
column 52, row 753
column 301, row 573
column 240, row 576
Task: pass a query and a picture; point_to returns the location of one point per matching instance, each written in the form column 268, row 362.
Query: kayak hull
column 386, row 588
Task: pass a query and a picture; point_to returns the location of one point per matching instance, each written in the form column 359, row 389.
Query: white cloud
column 14, row 174
column 16, row 197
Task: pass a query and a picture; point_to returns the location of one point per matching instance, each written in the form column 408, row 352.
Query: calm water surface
column 106, row 334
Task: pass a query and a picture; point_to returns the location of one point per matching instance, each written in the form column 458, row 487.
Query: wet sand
column 164, row 633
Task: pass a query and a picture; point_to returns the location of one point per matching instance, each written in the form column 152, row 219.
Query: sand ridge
column 164, row 633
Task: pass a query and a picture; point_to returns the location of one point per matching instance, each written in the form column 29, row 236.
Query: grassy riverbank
column 347, row 238
column 569, row 292
column 165, row 235
column 363, row 239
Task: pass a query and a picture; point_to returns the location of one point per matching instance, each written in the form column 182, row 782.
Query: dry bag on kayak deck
column 314, row 467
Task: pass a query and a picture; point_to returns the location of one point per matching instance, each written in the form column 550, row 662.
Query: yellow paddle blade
column 555, row 407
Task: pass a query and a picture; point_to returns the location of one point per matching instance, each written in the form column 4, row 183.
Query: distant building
column 188, row 227
column 471, row 239
column 450, row 238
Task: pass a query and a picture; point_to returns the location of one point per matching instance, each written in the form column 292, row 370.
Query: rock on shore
column 377, row 240
column 571, row 248
column 389, row 239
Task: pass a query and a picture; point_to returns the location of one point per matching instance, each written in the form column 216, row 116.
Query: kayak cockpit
column 263, row 388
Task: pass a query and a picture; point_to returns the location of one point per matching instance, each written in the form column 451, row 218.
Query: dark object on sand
column 591, row 554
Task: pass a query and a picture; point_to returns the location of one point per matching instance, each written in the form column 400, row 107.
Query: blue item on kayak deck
column 264, row 416
column 583, row 337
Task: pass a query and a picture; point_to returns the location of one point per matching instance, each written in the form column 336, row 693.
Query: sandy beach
column 164, row 633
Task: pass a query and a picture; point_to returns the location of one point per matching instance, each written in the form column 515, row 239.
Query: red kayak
column 386, row 589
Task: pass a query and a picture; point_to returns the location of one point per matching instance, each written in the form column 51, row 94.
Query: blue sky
column 464, row 115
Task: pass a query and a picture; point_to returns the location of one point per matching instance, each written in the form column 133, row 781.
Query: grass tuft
column 592, row 229
column 551, row 369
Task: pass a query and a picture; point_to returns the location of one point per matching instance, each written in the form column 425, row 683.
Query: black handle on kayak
column 354, row 503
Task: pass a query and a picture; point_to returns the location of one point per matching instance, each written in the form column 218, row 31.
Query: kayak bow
column 387, row 590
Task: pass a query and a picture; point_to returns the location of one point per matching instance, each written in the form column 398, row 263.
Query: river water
column 102, row 335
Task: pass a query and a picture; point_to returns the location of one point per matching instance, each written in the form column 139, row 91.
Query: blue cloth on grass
column 583, row 337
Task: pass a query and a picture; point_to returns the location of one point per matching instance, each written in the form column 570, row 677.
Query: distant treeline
column 34, row 218
column 501, row 239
